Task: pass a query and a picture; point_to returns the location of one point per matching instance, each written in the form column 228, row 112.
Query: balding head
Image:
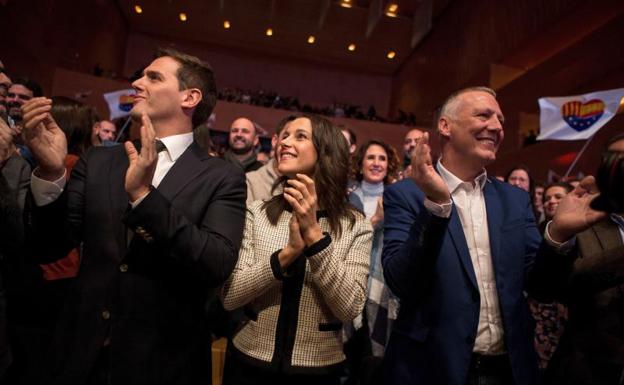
column 243, row 137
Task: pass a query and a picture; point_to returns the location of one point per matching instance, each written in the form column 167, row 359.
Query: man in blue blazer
column 459, row 248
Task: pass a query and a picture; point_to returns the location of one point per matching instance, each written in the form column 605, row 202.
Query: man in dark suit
column 160, row 228
column 591, row 350
column 458, row 247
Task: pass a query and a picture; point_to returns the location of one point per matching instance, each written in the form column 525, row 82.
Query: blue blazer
column 427, row 265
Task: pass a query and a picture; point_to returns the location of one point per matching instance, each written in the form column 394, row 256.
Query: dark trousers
column 490, row 370
column 101, row 371
column 237, row 372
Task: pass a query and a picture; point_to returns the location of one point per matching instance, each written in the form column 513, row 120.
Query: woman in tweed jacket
column 302, row 268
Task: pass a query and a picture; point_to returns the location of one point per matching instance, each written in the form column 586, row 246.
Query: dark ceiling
column 293, row 21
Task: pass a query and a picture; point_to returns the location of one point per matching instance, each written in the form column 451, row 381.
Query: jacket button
column 123, row 268
column 106, row 314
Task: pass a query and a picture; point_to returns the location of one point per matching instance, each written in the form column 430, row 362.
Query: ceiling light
column 311, row 39
column 138, row 9
column 346, row 3
column 269, row 32
column 226, row 24
column 351, row 47
column 391, row 9
column 182, row 16
column 391, row 55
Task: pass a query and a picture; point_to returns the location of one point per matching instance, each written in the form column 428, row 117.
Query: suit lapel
column 185, row 170
column 118, row 197
column 494, row 211
column 608, row 234
column 456, row 232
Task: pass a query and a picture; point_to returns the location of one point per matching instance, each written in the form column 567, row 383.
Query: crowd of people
column 325, row 263
column 271, row 99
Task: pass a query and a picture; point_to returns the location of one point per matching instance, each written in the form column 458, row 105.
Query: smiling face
column 295, row 151
column 243, row 136
column 375, row 164
column 519, row 178
column 158, row 93
column 552, row 196
column 473, row 128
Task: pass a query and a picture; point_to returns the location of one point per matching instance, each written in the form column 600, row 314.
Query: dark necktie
column 160, row 146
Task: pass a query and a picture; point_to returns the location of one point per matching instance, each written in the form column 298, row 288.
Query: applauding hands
column 44, row 138
column 424, row 173
column 142, row 163
column 305, row 230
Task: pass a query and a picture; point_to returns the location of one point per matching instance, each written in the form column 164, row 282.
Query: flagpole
column 578, row 156
column 123, row 128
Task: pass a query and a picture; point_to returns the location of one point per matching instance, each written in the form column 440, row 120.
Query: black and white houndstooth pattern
column 334, row 289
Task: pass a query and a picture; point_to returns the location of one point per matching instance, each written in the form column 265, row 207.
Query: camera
column 610, row 182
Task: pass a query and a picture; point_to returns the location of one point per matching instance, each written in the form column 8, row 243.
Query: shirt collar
column 177, row 144
column 453, row 182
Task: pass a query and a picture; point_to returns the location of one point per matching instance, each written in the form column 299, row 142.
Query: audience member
column 520, row 176
column 261, row 183
column 458, row 252
column 591, row 350
column 375, row 165
column 302, row 267
column 538, row 201
column 103, row 131
column 243, row 140
column 553, row 194
column 21, row 90
column 550, row 317
column 350, row 137
column 5, row 84
column 409, row 143
column 160, row 227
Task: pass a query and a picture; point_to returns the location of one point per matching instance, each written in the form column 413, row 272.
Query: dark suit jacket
column 591, row 350
column 427, row 265
column 146, row 296
column 14, row 179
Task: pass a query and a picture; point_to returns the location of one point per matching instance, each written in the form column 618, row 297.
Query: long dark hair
column 393, row 161
column 330, row 175
column 76, row 120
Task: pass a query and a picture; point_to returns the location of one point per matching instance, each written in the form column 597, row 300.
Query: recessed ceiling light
column 391, row 9
column 226, row 24
column 182, row 16
column 351, row 47
column 311, row 39
column 346, row 3
column 138, row 9
column 391, row 55
column 269, row 32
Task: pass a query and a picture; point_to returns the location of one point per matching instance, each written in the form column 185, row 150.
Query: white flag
column 577, row 117
column 119, row 102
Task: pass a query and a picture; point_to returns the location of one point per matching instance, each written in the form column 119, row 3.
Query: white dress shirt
column 45, row 192
column 470, row 203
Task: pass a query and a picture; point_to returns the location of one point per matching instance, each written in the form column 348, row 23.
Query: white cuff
column 136, row 202
column 439, row 210
column 560, row 246
column 45, row 192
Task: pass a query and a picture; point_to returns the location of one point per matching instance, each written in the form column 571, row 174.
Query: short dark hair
column 614, row 139
column 564, row 185
column 195, row 73
column 526, row 169
column 33, row 86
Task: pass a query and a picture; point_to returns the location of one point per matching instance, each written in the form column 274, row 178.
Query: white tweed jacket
column 296, row 318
